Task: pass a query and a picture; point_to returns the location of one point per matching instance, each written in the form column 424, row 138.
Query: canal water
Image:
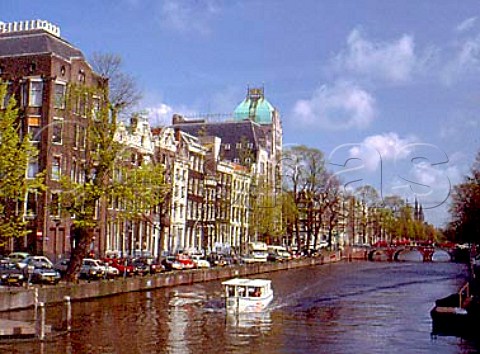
column 358, row 307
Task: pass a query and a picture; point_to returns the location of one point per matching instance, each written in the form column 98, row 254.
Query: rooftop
column 34, row 37
column 255, row 107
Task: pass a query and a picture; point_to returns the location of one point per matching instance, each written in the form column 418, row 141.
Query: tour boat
column 247, row 295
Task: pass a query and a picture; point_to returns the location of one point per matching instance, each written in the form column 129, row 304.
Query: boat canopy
column 247, row 282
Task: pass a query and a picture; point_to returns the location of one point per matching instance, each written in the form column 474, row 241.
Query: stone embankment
column 18, row 298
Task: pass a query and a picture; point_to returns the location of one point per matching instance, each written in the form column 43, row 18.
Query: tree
column 306, row 176
column 265, row 211
column 289, row 215
column 123, row 91
column 108, row 173
column 15, row 155
column 465, row 207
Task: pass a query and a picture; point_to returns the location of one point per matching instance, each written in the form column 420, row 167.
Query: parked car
column 122, row 264
column 171, row 263
column 40, row 269
column 273, row 257
column 186, row 261
column 109, row 271
column 199, row 261
column 216, row 259
column 36, row 261
column 16, row 257
column 10, row 274
column 156, row 267
column 45, row 275
column 91, row 269
column 153, row 264
column 62, row 266
column 141, row 266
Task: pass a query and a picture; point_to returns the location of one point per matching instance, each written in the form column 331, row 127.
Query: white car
column 199, row 261
column 36, row 261
column 111, row 272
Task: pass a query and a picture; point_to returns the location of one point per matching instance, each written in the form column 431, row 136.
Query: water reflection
column 340, row 308
column 261, row 321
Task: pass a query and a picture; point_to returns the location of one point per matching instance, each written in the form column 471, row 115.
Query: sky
column 388, row 90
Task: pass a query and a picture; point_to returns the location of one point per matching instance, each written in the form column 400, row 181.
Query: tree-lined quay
column 12, row 298
column 78, row 180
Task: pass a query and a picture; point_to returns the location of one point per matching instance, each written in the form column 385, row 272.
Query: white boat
column 247, row 295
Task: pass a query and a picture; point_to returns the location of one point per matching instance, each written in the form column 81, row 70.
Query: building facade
column 41, row 68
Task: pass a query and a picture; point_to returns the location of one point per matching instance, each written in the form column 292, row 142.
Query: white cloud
column 188, row 16
column 390, row 61
column 466, row 24
column 160, row 115
column 465, row 62
column 342, row 106
column 381, row 148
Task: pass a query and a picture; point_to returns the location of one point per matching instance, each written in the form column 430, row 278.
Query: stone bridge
column 408, row 254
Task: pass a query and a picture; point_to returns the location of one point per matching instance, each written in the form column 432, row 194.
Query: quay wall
column 18, row 298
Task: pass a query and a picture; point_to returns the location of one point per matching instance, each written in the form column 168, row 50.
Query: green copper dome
column 254, row 107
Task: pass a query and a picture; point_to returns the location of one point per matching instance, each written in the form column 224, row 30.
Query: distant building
column 251, row 138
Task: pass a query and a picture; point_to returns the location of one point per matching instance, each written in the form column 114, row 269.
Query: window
column 81, row 105
column 227, row 146
column 31, row 207
column 238, row 146
column 55, row 205
column 73, row 171
column 250, row 145
column 79, row 139
column 32, row 169
column 59, row 96
column 57, row 131
column 236, row 160
column 95, row 107
column 8, row 94
column 56, row 168
column 36, row 94
column 34, row 129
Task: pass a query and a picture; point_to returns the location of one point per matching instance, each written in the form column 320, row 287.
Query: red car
column 124, row 266
column 186, row 261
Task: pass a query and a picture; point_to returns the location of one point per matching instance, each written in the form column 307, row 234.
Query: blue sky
column 389, row 89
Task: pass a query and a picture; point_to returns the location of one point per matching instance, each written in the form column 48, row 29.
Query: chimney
column 177, row 119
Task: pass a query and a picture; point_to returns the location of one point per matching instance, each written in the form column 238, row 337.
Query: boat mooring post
column 41, row 321
column 35, row 303
column 68, row 308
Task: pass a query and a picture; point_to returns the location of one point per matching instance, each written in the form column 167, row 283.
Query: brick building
column 40, row 67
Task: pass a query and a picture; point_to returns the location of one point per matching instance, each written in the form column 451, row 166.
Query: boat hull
column 236, row 304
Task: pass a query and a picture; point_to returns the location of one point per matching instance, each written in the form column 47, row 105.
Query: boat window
column 230, row 291
column 257, row 292
column 241, row 291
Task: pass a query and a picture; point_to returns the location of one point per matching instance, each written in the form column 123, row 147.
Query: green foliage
column 465, row 207
column 266, row 211
column 15, row 154
column 111, row 172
